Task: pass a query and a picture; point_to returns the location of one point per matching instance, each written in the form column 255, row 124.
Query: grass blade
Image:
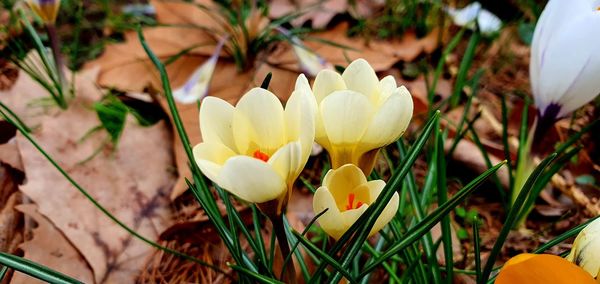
column 512, row 216
column 442, row 192
column 254, row 275
column 324, row 256
column 426, row 224
column 477, row 247
column 34, row 269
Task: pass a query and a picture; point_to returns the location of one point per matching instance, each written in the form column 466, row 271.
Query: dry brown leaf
column 320, row 12
column 468, row 153
column 49, row 247
column 10, row 221
column 132, row 181
column 9, row 155
column 382, row 55
column 126, row 66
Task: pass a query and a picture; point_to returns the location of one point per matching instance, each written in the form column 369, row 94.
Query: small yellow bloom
column 347, row 194
column 257, row 149
column 542, row 269
column 45, row 9
column 586, row 249
column 358, row 114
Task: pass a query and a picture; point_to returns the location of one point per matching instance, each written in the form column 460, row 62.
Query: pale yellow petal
column 387, row 86
column 387, row 214
column 360, row 77
column 210, row 157
column 258, row 122
column 375, row 188
column 342, row 181
column 300, row 112
column 327, row 82
column 288, row 161
column 251, row 179
column 331, row 221
column 349, row 217
column 215, row 121
column 346, row 115
column 390, row 121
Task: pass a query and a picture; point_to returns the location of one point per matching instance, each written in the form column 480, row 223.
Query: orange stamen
column 350, row 204
column 261, row 156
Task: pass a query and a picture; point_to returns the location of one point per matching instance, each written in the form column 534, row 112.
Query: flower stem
column 288, row 271
column 58, row 60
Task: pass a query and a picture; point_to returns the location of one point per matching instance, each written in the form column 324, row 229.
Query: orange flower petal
column 542, row 269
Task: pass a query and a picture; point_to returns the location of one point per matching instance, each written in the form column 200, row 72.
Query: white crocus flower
column 586, row 249
column 346, row 194
column 358, row 114
column 257, row 149
column 565, row 57
column 466, row 17
column 196, row 87
column 45, row 9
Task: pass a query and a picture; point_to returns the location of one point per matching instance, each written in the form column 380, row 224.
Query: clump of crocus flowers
column 256, row 149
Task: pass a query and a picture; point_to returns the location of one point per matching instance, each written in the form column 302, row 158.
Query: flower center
column 261, row 156
column 350, row 204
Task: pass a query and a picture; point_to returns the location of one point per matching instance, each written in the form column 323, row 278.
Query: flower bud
column 586, row 249
column 45, row 9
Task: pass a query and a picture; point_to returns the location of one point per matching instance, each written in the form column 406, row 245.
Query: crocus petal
column 288, row 161
column 342, row 180
column 196, row 86
column 330, row 221
column 251, row 179
column 327, row 82
column 488, row 22
column 300, row 112
column 564, row 60
column 216, row 116
column 390, row 121
column 258, row 122
column 565, row 71
column 387, row 214
column 586, row 249
column 387, row 86
column 542, row 269
column 360, row 77
column 466, row 17
column 310, row 62
column 346, row 115
column 210, row 157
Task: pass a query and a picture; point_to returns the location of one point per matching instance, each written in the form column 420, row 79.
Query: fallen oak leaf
column 52, row 249
column 382, row 55
column 135, row 194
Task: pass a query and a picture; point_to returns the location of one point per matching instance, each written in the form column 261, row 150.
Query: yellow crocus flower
column 257, row 149
column 358, row 114
column 586, row 249
column 347, row 194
